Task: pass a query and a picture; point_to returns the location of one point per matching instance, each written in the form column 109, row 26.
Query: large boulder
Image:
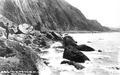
column 76, row 65
column 68, row 40
column 85, row 48
column 73, row 54
column 25, row 28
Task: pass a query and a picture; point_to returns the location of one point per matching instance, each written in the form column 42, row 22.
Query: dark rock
column 40, row 42
column 117, row 68
column 99, row 50
column 56, row 36
column 68, row 40
column 76, row 65
column 53, row 35
column 48, row 35
column 46, row 62
column 85, row 48
column 38, row 50
column 27, row 42
column 72, row 50
column 89, row 42
column 73, row 54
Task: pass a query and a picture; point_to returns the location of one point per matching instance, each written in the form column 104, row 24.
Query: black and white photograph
column 59, row 37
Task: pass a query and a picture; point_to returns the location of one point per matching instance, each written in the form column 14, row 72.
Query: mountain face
column 47, row 15
column 96, row 26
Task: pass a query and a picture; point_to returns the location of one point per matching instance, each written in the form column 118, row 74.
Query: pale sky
column 107, row 12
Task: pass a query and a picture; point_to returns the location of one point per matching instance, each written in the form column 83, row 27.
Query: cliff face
column 96, row 26
column 49, row 14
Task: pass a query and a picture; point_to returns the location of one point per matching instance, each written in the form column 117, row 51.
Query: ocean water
column 106, row 62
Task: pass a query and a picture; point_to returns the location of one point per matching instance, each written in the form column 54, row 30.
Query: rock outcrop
column 19, row 51
column 72, row 51
column 85, row 48
column 73, row 54
column 76, row 65
column 68, row 40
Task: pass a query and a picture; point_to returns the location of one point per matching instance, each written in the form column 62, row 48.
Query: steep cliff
column 96, row 26
column 48, row 14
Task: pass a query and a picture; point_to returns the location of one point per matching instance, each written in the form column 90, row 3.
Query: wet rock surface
column 85, row 48
column 76, row 65
column 57, row 58
column 72, row 51
column 74, row 54
column 69, row 41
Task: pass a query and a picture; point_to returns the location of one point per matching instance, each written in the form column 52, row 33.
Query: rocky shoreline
column 28, row 47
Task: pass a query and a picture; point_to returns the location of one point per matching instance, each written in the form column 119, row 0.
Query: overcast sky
column 107, row 12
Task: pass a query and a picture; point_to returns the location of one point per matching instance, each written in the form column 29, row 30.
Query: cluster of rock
column 21, row 44
column 23, row 33
column 73, row 53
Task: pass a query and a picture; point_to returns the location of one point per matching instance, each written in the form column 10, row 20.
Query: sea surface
column 106, row 62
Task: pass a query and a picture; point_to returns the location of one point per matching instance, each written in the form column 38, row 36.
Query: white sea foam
column 102, row 63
